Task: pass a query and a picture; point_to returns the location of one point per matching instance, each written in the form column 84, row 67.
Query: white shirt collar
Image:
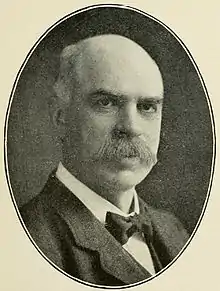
column 94, row 202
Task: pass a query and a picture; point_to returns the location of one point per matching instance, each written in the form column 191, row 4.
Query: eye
column 102, row 102
column 105, row 102
column 147, row 107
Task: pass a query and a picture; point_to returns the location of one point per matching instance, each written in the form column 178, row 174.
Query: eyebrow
column 100, row 92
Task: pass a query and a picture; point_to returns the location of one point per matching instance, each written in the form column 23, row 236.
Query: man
column 88, row 220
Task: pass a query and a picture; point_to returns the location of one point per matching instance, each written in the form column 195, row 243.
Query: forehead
column 117, row 65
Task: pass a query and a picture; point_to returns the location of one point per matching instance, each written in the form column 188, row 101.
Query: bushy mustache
column 124, row 147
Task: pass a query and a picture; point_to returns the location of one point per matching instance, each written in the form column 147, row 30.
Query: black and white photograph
column 109, row 146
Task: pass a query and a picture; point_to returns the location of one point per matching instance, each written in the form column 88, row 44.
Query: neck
column 120, row 198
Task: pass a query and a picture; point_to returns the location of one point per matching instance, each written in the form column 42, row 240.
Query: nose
column 129, row 122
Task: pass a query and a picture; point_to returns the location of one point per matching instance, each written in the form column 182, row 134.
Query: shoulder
column 43, row 225
column 167, row 228
column 37, row 208
column 37, row 216
column 40, row 207
column 164, row 218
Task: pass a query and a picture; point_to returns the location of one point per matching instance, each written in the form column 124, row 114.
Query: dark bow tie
column 124, row 227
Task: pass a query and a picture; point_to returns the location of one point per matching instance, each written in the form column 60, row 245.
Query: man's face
column 113, row 121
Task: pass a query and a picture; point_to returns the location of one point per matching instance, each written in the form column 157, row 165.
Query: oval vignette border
column 121, row 6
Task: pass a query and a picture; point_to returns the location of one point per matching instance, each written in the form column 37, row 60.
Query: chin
column 125, row 180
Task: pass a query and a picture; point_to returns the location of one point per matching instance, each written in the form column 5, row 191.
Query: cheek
column 152, row 134
column 95, row 131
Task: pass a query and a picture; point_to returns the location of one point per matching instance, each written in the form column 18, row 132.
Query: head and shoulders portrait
column 110, row 146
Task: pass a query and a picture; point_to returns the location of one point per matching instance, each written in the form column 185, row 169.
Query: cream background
column 21, row 24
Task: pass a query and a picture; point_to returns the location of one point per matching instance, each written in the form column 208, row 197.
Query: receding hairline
column 101, row 39
column 71, row 53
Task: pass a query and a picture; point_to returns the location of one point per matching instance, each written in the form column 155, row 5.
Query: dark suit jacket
column 72, row 238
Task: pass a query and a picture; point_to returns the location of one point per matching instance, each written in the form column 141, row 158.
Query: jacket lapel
column 167, row 239
column 90, row 233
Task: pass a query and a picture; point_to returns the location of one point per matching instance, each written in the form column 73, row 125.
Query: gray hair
column 67, row 73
